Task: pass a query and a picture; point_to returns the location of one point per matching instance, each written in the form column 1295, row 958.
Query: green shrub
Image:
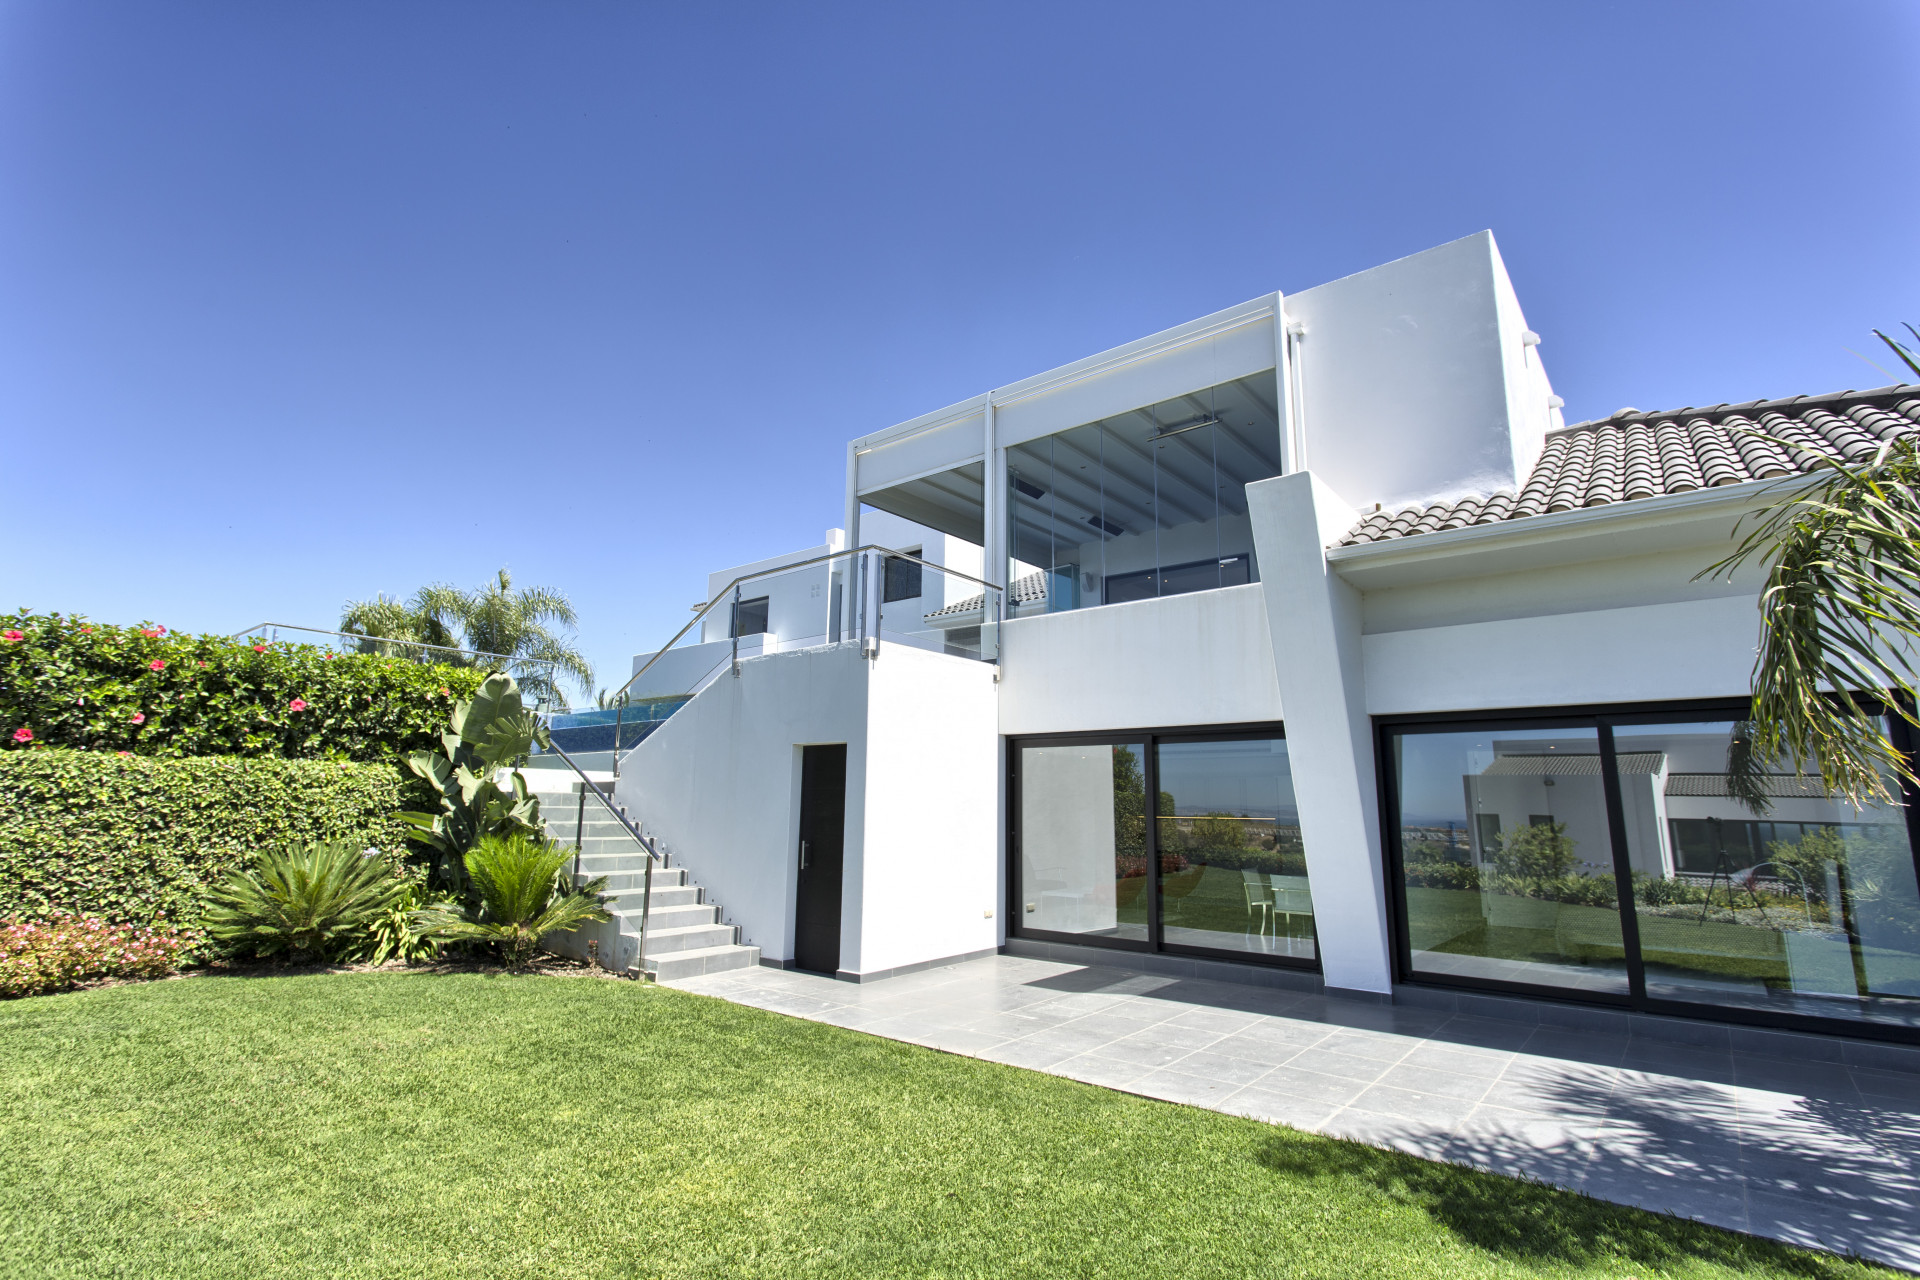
column 395, row 933
column 68, row 682
column 306, row 901
column 133, row 839
column 1442, row 874
column 42, row 956
column 517, row 880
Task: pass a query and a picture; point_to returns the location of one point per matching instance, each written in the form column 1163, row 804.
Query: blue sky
column 301, row 302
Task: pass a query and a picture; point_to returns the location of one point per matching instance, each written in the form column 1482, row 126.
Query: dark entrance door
column 823, row 827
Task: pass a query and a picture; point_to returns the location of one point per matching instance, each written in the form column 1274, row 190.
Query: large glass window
column 1233, row 872
column 1083, row 839
column 1772, row 895
column 1752, row 893
column 1506, row 858
column 1220, row 868
column 1151, row 502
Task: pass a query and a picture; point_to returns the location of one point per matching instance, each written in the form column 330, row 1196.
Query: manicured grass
column 397, row 1125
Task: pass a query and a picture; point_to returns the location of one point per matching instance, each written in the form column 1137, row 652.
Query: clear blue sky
column 301, row 302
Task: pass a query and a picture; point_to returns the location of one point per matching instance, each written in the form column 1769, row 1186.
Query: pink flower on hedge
column 23, row 735
column 139, row 717
column 158, row 664
column 298, row 704
column 259, row 648
column 86, row 631
column 14, row 635
column 124, row 755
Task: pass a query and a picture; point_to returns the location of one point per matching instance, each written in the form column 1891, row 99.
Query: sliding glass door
column 1631, row 858
column 1220, row 868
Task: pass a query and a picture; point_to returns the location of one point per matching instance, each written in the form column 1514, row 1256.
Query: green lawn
column 396, row 1124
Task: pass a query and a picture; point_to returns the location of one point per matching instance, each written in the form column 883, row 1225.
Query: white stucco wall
column 1645, row 653
column 1201, row 658
column 1406, row 370
column 719, row 782
column 926, row 883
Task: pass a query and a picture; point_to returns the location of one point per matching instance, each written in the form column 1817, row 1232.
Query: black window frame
column 1603, row 718
column 741, row 607
column 1150, row 739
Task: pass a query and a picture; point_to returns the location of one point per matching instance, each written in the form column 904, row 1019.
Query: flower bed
column 42, row 956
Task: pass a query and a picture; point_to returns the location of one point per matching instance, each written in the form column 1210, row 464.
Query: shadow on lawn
column 1530, row 1221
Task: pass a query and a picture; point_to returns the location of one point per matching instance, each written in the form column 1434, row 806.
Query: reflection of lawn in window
column 1214, row 899
column 1454, row 922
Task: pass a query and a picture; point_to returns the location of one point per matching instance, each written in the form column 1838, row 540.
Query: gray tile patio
column 1814, row 1153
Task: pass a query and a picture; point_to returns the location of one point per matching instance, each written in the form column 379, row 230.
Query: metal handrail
column 647, row 846
column 733, row 588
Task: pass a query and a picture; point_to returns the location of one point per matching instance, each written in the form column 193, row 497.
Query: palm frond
column 1839, row 620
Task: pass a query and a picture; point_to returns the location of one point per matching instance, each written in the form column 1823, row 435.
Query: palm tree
column 1840, row 611
column 498, row 618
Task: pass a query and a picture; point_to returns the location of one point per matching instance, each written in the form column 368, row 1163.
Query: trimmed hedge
column 133, row 839
column 68, row 682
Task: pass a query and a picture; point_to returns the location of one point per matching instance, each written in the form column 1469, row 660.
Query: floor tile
column 1309, row 1086
column 1445, row 1084
column 1340, row 1065
column 1279, row 1107
column 1430, row 1110
column 1218, row 1066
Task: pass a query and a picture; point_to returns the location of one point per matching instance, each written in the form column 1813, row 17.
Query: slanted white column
column 1314, row 618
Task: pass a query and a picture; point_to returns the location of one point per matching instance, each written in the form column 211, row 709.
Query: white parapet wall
column 719, row 786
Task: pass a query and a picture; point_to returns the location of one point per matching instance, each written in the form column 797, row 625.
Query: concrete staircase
column 684, row 935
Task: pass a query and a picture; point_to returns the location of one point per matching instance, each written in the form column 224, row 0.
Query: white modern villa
column 1301, row 644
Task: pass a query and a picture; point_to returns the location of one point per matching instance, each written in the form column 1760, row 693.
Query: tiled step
column 606, row 864
column 692, row 938
column 673, row 965
column 681, row 917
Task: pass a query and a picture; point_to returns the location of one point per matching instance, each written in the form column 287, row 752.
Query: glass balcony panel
column 1083, row 845
column 1506, row 858
column 1146, row 503
column 1233, row 870
column 1788, row 899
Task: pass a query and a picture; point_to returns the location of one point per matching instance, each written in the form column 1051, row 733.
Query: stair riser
column 610, row 844
column 669, row 968
column 605, row 864
column 564, row 830
column 685, row 917
column 665, row 943
column 664, row 894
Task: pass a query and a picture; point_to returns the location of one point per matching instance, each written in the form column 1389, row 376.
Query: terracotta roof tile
column 1635, row 455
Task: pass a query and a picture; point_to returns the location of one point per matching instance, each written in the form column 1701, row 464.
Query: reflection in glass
column 1507, row 858
column 1150, row 502
column 1083, row 839
column 1233, row 872
column 1797, row 903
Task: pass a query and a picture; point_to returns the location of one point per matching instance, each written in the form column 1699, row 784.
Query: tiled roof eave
column 1658, row 509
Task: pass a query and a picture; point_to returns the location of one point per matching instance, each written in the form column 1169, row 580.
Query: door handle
column 803, row 855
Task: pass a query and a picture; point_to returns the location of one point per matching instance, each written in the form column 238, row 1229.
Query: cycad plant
column 303, row 900
column 1840, row 613
column 516, row 881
